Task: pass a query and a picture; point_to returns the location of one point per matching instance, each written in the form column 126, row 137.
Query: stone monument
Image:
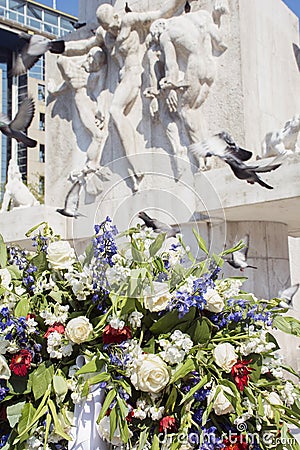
column 133, row 91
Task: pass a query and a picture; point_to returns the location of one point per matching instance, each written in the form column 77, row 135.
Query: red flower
column 168, row 424
column 30, row 316
column 240, row 373
column 236, row 442
column 116, row 335
column 20, row 363
column 59, row 327
column 129, row 416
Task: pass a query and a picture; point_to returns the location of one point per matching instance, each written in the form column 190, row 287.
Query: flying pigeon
column 16, row 128
column 72, row 201
column 127, row 9
column 239, row 258
column 78, row 25
column 159, row 227
column 34, row 47
column 249, row 173
column 287, row 296
column 187, row 7
column 296, row 49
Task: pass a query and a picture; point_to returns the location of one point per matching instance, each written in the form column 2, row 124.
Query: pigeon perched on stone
column 78, row 25
column 287, row 296
column 34, row 47
column 159, row 227
column 16, row 128
column 187, row 7
column 72, row 201
column 127, row 9
column 238, row 259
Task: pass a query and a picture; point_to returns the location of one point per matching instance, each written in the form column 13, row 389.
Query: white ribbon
column 84, row 433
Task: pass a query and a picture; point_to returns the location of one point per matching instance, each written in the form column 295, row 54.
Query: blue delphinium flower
column 4, row 390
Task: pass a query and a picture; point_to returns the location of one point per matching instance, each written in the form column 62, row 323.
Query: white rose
column 79, row 329
column 60, row 255
column 272, row 399
column 151, row 374
column 4, row 369
column 221, row 404
column 5, row 278
column 214, row 301
column 158, row 298
column 225, row 356
column 104, row 430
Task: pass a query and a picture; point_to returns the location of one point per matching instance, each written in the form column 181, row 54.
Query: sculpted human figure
column 86, row 79
column 189, row 43
column 121, row 35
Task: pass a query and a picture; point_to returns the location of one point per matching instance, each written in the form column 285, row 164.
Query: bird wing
column 221, row 145
column 161, row 226
column 233, row 149
column 241, row 255
column 72, row 198
column 23, row 62
column 24, row 115
column 266, row 168
column 297, row 54
column 4, row 120
column 38, row 45
column 288, row 294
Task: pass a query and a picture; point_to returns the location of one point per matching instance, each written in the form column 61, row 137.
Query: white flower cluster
column 55, row 314
column 175, row 349
column 273, row 365
column 135, row 319
column 132, row 350
column 288, row 393
column 175, row 250
column 57, row 346
column 144, row 410
column 81, row 283
column 116, row 323
column 257, row 344
column 118, row 273
column 229, row 288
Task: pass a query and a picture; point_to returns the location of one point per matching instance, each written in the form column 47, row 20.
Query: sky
column 71, row 6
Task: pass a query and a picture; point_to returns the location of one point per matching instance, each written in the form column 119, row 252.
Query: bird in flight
column 238, row 259
column 16, row 128
column 159, row 227
column 287, row 296
column 72, row 201
column 34, row 46
column 224, row 147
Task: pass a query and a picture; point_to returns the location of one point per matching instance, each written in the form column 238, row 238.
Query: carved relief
column 284, row 141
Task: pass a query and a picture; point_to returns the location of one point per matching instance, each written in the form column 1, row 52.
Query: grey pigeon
column 287, row 296
column 159, row 227
column 249, row 173
column 187, row 7
column 127, row 9
column 78, row 25
column 34, row 47
column 221, row 145
column 72, row 201
column 239, row 258
column 297, row 55
column 16, row 128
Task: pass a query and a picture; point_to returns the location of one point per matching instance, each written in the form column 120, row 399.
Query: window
column 38, row 70
column 41, row 92
column 41, row 185
column 42, row 153
column 42, row 122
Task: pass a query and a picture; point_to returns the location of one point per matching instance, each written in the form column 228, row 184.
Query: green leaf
column 194, row 389
column 40, row 261
column 3, row 253
column 201, row 242
column 57, row 425
column 156, row 245
column 95, row 365
column 108, row 399
column 256, row 365
column 287, row 324
column 171, row 320
column 89, row 253
column 60, row 385
column 185, row 368
column 25, row 421
column 237, row 247
column 14, row 412
column 47, row 430
column 143, row 439
column 171, row 400
column 155, row 443
column 200, row 330
column 137, row 255
column 19, row 385
column 99, row 378
column 29, row 232
column 41, row 379
column 22, row 308
column 260, row 405
column 113, row 422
